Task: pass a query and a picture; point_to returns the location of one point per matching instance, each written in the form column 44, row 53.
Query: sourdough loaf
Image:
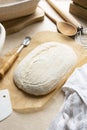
column 42, row 69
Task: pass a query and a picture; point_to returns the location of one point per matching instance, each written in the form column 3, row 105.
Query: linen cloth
column 73, row 114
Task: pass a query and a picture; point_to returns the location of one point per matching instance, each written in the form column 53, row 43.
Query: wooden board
column 78, row 11
column 16, row 25
column 83, row 3
column 23, row 102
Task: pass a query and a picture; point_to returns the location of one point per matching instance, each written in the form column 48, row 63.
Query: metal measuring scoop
column 11, row 60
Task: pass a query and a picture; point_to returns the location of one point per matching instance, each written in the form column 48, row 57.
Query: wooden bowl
column 2, row 36
column 10, row 9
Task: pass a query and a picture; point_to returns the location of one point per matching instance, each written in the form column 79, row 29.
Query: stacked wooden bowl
column 16, row 14
column 11, row 9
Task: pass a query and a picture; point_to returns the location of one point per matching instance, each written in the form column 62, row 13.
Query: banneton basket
column 2, row 36
column 11, row 9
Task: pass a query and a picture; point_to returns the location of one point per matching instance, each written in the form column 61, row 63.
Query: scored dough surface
column 42, row 69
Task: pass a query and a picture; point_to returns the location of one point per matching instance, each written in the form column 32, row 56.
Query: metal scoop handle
column 7, row 65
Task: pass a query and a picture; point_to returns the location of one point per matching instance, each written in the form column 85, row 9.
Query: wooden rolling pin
column 65, row 16
column 12, row 59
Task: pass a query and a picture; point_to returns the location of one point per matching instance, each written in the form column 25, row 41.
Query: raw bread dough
column 42, row 69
